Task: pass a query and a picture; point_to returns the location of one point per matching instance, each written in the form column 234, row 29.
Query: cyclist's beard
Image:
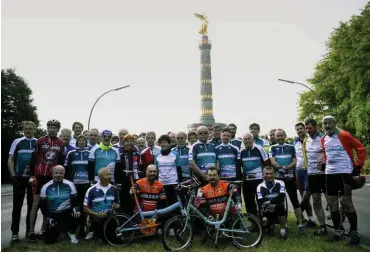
column 151, row 178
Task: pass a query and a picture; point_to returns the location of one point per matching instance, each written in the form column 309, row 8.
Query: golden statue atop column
column 203, row 18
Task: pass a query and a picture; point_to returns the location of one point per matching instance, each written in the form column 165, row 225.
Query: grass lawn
column 307, row 242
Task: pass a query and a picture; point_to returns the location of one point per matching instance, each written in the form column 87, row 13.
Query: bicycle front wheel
column 112, row 232
column 177, row 236
column 247, row 231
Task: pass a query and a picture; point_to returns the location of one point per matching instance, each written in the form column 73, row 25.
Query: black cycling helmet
column 53, row 122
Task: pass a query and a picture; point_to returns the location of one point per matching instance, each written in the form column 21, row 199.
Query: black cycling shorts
column 317, row 183
column 335, row 183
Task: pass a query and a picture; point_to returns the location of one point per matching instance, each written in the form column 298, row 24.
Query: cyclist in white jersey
column 340, row 168
column 301, row 173
column 314, row 161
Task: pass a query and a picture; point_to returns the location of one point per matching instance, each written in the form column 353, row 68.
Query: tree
column 341, row 78
column 16, row 107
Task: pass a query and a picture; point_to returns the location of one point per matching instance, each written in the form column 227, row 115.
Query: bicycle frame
column 151, row 214
column 216, row 224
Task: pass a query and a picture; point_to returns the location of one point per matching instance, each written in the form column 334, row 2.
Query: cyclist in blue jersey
column 283, row 159
column 253, row 159
column 59, row 205
column 254, row 128
column 202, row 155
column 65, row 136
column 169, row 168
column 100, row 200
column 93, row 138
column 228, row 158
column 216, row 135
column 183, row 152
column 236, row 142
column 77, row 172
column 301, row 174
column 19, row 160
column 104, row 155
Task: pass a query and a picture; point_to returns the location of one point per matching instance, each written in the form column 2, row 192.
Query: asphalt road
column 6, row 220
column 361, row 201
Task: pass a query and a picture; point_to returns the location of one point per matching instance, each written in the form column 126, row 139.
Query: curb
column 6, row 194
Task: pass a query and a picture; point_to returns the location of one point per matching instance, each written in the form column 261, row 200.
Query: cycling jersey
column 49, row 151
column 337, row 159
column 274, row 194
column 236, row 142
column 130, row 160
column 284, row 154
column 253, row 161
column 228, row 157
column 58, row 196
column 184, row 160
column 68, row 149
column 259, row 141
column 313, row 154
column 149, row 154
column 73, row 142
column 167, row 168
column 77, row 163
column 215, row 142
column 103, row 158
column 217, row 197
column 204, row 155
column 89, row 146
column 298, row 144
column 22, row 150
column 149, row 194
column 101, row 198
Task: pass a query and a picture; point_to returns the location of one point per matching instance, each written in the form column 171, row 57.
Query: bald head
column 248, row 140
column 58, row 172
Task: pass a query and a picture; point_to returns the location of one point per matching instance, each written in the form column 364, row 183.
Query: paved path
column 6, row 220
column 361, row 200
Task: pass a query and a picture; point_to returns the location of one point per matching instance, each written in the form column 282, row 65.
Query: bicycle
column 120, row 229
column 242, row 224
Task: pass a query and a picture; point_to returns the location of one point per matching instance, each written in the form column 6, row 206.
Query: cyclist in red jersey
column 49, row 152
column 150, row 192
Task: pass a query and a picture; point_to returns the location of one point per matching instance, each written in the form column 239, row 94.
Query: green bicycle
column 245, row 230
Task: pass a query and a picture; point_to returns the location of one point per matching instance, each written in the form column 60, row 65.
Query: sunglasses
column 180, row 138
column 202, row 133
column 107, row 136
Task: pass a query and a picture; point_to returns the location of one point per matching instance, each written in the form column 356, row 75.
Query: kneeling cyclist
column 216, row 194
column 271, row 199
column 283, row 159
column 59, row 205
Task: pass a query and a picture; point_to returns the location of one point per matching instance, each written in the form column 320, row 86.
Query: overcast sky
column 70, row 52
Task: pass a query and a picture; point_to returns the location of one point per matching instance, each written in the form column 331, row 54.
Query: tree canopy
column 16, row 107
column 341, row 78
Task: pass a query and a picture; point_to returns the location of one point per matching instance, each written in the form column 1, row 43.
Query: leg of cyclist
column 303, row 190
column 249, row 194
column 291, row 188
column 346, row 200
column 335, row 187
column 316, row 186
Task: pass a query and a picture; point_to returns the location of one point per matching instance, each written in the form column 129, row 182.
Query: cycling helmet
column 53, row 122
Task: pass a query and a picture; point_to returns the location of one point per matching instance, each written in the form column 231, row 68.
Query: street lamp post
column 92, row 109
column 306, row 86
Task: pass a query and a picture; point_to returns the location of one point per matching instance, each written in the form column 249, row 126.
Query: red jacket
column 350, row 143
column 48, row 153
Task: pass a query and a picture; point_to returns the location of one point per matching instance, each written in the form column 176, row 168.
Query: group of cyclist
column 85, row 173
